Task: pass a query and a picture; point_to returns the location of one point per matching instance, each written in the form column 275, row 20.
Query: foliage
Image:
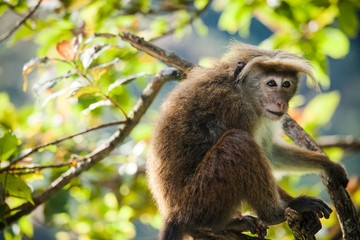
column 86, row 76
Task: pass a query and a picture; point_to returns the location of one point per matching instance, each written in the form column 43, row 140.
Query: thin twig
column 113, row 102
column 349, row 143
column 37, row 148
column 20, row 22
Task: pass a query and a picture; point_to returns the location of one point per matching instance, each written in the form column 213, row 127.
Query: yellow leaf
column 29, row 66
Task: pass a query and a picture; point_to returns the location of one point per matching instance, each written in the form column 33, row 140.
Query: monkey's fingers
column 321, row 209
column 256, row 226
column 305, row 204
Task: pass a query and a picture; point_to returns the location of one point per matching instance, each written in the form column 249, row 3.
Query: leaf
column 28, row 67
column 16, row 187
column 229, row 17
column 84, row 91
column 101, row 69
column 90, row 54
column 335, row 43
column 8, row 144
column 26, row 226
column 124, row 80
column 54, row 95
column 320, row 110
column 66, row 49
column 200, row 27
column 348, row 19
column 200, row 4
column 3, row 208
column 96, row 105
column 49, row 83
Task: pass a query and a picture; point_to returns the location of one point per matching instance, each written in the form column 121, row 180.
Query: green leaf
column 200, row 4
column 16, row 187
column 229, row 17
column 8, row 144
column 200, row 27
column 335, row 43
column 26, row 226
column 90, row 54
column 320, row 110
column 3, row 208
column 3, row 8
column 123, row 81
column 96, row 105
column 85, row 91
column 348, row 19
column 159, row 25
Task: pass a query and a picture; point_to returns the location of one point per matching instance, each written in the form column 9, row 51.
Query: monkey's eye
column 271, row 83
column 286, row 84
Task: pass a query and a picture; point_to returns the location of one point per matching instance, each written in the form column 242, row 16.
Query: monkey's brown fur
column 212, row 147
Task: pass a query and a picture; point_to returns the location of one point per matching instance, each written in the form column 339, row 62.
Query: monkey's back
column 192, row 119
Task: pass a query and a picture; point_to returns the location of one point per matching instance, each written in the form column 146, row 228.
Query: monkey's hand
column 249, row 223
column 337, row 172
column 312, row 209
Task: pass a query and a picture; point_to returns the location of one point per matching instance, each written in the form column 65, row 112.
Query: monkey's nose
column 281, row 105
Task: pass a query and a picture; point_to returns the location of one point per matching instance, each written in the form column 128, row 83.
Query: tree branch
column 147, row 97
column 345, row 209
column 37, row 148
column 349, row 143
column 295, row 221
column 166, row 56
column 20, row 22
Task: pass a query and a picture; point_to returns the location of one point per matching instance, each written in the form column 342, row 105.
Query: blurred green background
column 111, row 200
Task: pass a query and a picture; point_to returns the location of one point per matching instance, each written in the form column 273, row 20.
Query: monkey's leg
column 235, row 169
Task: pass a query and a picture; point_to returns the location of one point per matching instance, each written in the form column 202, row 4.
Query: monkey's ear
column 238, row 69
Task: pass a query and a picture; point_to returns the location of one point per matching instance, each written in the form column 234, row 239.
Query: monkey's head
column 270, row 77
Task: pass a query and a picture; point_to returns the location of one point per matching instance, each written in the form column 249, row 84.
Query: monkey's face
column 276, row 91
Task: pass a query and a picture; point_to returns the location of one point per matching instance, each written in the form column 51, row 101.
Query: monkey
column 214, row 147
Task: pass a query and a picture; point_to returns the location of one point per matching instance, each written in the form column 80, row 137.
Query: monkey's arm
column 293, row 158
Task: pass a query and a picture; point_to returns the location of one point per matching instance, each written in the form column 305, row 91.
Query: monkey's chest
column 263, row 134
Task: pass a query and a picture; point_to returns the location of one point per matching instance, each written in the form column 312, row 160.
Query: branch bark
column 166, row 56
column 345, row 209
column 147, row 97
column 294, row 221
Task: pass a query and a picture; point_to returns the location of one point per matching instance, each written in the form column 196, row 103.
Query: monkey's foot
column 248, row 223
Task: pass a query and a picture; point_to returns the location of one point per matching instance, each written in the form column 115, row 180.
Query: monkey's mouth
column 279, row 114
